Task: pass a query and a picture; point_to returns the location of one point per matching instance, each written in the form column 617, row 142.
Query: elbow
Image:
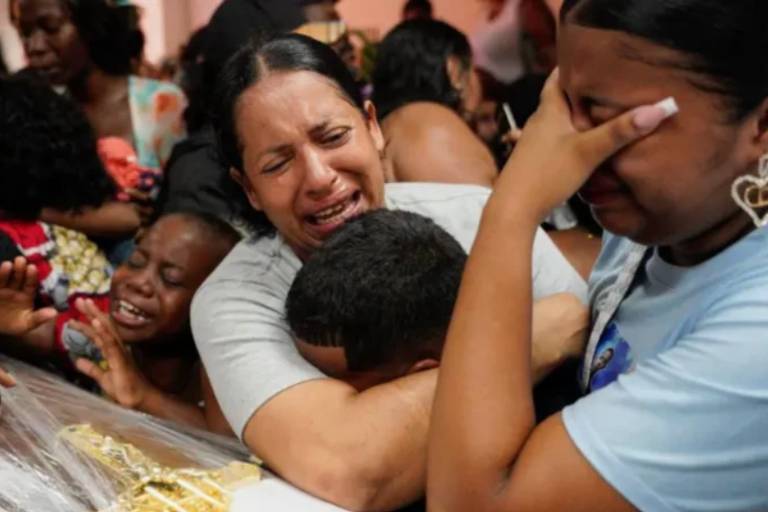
column 350, row 487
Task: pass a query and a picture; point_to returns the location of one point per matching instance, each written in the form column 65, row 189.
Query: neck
column 96, row 86
column 167, row 365
column 710, row 243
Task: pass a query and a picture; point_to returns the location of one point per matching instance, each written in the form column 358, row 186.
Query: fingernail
column 648, row 118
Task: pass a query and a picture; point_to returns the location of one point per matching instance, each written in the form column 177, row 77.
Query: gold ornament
column 151, row 487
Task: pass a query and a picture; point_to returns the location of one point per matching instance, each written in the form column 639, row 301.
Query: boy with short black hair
column 375, row 301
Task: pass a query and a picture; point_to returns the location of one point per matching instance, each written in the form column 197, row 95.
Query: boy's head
column 374, row 302
column 152, row 291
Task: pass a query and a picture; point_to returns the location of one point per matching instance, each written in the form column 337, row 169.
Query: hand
column 18, row 288
column 552, row 160
column 121, row 380
column 143, row 204
column 559, row 332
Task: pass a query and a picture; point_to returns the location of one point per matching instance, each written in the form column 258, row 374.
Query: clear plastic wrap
column 64, row 449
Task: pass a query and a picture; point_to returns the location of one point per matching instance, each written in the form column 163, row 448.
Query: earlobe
column 454, row 71
column 242, row 180
column 373, row 125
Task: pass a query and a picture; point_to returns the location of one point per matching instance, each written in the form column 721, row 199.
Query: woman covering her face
column 675, row 412
column 306, row 151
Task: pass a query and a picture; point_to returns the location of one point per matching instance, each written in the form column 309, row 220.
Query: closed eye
column 335, row 137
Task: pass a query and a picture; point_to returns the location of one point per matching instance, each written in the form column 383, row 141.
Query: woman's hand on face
column 18, row 288
column 121, row 380
column 552, row 159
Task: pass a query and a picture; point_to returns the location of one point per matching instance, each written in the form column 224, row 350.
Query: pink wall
column 382, row 15
column 168, row 23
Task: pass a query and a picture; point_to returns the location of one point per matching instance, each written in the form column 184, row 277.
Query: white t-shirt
column 238, row 314
column 677, row 417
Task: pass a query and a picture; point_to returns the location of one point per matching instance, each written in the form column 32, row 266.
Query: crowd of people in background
column 519, row 269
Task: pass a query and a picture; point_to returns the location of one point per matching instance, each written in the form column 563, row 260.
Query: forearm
column 362, row 451
column 163, row 405
column 478, row 430
column 112, row 219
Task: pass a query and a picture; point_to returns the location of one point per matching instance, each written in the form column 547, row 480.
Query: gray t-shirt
column 238, row 314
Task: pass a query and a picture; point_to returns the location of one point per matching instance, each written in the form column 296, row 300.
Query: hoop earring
column 751, row 193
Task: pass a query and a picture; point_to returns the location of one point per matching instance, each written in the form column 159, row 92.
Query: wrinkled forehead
column 289, row 101
column 609, row 63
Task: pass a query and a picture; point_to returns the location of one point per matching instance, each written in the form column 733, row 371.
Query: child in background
column 374, row 302
column 145, row 339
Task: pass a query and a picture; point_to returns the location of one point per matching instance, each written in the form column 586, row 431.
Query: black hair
column 383, row 287
column 423, row 6
column 111, row 33
column 725, row 42
column 213, row 227
column 411, row 65
column 48, row 155
column 291, row 52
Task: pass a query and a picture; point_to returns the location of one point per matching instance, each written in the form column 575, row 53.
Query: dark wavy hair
column 48, row 154
column 290, row 52
column 724, row 43
column 383, row 287
column 111, row 33
column 411, row 65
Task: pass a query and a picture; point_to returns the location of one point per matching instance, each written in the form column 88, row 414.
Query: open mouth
column 127, row 314
column 336, row 214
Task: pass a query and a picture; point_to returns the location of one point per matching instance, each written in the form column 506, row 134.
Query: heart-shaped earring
column 751, row 193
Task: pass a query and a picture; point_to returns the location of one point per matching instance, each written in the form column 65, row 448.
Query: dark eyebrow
column 319, row 128
column 282, row 148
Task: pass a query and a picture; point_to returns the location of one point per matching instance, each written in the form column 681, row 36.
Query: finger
column 6, row 270
column 90, row 369
column 17, row 274
column 110, row 348
column 600, row 143
column 138, row 196
column 31, row 281
column 6, row 379
column 87, row 330
column 41, row 316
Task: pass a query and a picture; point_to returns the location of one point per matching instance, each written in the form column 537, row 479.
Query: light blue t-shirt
column 677, row 417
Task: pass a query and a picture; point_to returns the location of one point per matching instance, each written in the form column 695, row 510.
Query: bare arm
column 431, row 143
column 485, row 452
column 362, row 451
column 367, row 451
column 112, row 219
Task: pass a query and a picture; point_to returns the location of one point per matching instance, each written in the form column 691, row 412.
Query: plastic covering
column 64, row 449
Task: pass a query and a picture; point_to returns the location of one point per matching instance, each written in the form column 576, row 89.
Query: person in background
column 417, row 10
column 49, row 163
column 90, row 48
column 423, row 85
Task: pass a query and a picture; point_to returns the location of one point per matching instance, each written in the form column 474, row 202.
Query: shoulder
column 255, row 267
column 456, row 208
column 434, row 196
column 425, row 124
